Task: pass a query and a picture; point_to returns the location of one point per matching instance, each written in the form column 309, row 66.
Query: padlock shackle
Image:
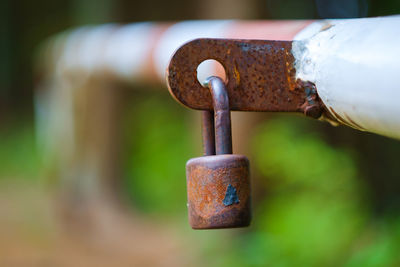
column 222, row 118
column 208, row 132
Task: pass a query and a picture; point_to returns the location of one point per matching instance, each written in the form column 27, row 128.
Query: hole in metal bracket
column 210, row 67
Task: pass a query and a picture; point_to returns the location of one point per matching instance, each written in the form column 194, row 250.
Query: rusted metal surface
column 218, row 186
column 208, row 132
column 260, row 76
column 222, row 116
column 312, row 106
column 218, row 190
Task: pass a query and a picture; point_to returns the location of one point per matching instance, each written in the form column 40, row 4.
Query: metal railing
column 352, row 63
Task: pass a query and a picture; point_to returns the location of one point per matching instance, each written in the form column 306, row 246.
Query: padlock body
column 218, row 189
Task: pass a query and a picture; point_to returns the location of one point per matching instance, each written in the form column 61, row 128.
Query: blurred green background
column 323, row 195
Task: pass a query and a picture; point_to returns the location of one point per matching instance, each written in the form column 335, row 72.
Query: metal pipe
column 208, row 132
column 353, row 62
column 354, row 65
column 141, row 51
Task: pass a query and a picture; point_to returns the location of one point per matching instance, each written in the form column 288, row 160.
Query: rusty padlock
column 218, row 186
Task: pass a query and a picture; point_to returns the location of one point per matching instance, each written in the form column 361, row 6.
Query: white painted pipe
column 355, row 65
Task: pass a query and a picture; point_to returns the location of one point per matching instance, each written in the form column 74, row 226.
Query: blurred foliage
column 19, row 157
column 379, row 245
column 314, row 207
column 315, row 211
column 158, row 145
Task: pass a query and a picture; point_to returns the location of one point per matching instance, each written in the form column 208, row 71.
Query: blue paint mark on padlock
column 231, row 196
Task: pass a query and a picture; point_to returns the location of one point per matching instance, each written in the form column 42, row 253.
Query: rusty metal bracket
column 260, row 76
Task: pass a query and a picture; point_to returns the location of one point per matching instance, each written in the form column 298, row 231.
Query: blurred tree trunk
column 228, row 9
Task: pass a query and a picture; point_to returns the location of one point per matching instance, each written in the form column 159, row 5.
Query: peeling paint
column 230, row 196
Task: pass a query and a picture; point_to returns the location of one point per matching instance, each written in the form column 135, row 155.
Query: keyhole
column 210, row 67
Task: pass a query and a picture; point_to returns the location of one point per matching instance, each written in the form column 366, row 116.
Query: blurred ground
column 31, row 235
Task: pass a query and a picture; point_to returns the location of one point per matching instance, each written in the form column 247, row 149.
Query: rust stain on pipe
column 334, row 116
